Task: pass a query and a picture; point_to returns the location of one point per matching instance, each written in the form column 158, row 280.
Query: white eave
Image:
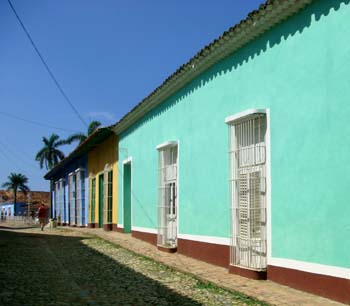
column 166, row 144
column 231, row 41
column 242, row 115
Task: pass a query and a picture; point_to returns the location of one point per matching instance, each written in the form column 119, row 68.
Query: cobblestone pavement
column 267, row 291
column 65, row 267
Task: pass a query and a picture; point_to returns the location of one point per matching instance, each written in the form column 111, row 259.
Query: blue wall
column 63, row 174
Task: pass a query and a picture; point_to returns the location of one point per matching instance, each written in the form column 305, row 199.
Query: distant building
column 87, row 173
column 24, row 203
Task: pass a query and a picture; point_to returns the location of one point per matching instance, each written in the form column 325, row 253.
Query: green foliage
column 16, row 182
column 247, row 300
column 50, row 155
column 93, row 126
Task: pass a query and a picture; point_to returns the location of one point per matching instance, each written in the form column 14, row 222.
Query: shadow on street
column 38, row 269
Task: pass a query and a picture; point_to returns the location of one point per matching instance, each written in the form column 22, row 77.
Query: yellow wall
column 105, row 153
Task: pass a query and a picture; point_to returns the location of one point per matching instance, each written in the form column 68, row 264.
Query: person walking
column 42, row 216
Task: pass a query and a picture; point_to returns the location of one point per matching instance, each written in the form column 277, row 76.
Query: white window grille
column 248, row 192
column 92, row 205
column 72, row 198
column 61, row 202
column 167, row 196
column 80, row 197
column 107, row 196
column 57, row 209
column 83, row 206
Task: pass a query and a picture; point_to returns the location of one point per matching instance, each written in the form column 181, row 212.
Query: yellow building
column 103, row 182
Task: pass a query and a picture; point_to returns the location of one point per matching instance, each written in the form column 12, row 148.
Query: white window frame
column 106, row 186
column 242, row 116
column 56, row 211
column 72, row 197
column 80, row 196
column 92, row 199
column 161, row 148
column 128, row 160
column 62, row 201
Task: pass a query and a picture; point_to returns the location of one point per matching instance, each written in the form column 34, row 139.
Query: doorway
column 127, row 197
column 100, row 200
column 167, row 192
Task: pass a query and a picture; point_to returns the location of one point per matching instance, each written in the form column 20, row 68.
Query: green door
column 127, row 198
column 100, row 200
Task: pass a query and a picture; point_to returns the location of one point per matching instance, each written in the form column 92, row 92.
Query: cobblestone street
column 63, row 267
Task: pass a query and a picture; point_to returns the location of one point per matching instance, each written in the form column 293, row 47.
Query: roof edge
column 78, row 151
column 257, row 23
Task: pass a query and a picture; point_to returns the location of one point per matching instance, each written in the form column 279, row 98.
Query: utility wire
column 36, row 122
column 11, row 160
column 16, row 155
column 46, row 65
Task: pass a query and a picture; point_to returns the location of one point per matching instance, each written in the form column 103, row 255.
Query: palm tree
column 50, row 154
column 93, row 126
column 16, row 181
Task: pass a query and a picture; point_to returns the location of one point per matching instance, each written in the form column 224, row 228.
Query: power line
column 35, row 122
column 11, row 160
column 46, row 65
column 16, row 155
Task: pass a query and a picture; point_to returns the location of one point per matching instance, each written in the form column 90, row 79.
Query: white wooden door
column 248, row 181
column 167, row 203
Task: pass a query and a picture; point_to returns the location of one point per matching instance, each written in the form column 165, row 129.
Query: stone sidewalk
column 267, row 291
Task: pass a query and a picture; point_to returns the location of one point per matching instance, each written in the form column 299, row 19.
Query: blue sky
column 107, row 55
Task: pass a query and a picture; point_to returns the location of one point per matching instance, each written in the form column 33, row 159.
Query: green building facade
column 240, row 159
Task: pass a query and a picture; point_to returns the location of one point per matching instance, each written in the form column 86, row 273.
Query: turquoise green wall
column 300, row 70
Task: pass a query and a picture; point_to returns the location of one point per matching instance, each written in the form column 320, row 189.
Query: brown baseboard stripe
column 107, row 227
column 166, row 250
column 148, row 237
column 327, row 286
column 216, row 254
column 252, row 274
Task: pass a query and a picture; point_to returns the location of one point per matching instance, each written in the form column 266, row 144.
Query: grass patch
column 202, row 285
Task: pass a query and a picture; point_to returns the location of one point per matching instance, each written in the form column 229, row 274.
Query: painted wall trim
column 120, row 225
column 268, row 186
column 208, row 239
column 127, row 160
column 144, row 229
column 310, row 267
column 79, row 169
column 242, row 115
column 166, row 144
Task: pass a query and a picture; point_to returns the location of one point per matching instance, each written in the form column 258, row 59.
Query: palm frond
column 40, row 154
column 6, row 185
column 75, row 137
column 93, row 126
column 60, row 154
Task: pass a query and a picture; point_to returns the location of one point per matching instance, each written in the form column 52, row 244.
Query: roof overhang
column 89, row 143
column 257, row 23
